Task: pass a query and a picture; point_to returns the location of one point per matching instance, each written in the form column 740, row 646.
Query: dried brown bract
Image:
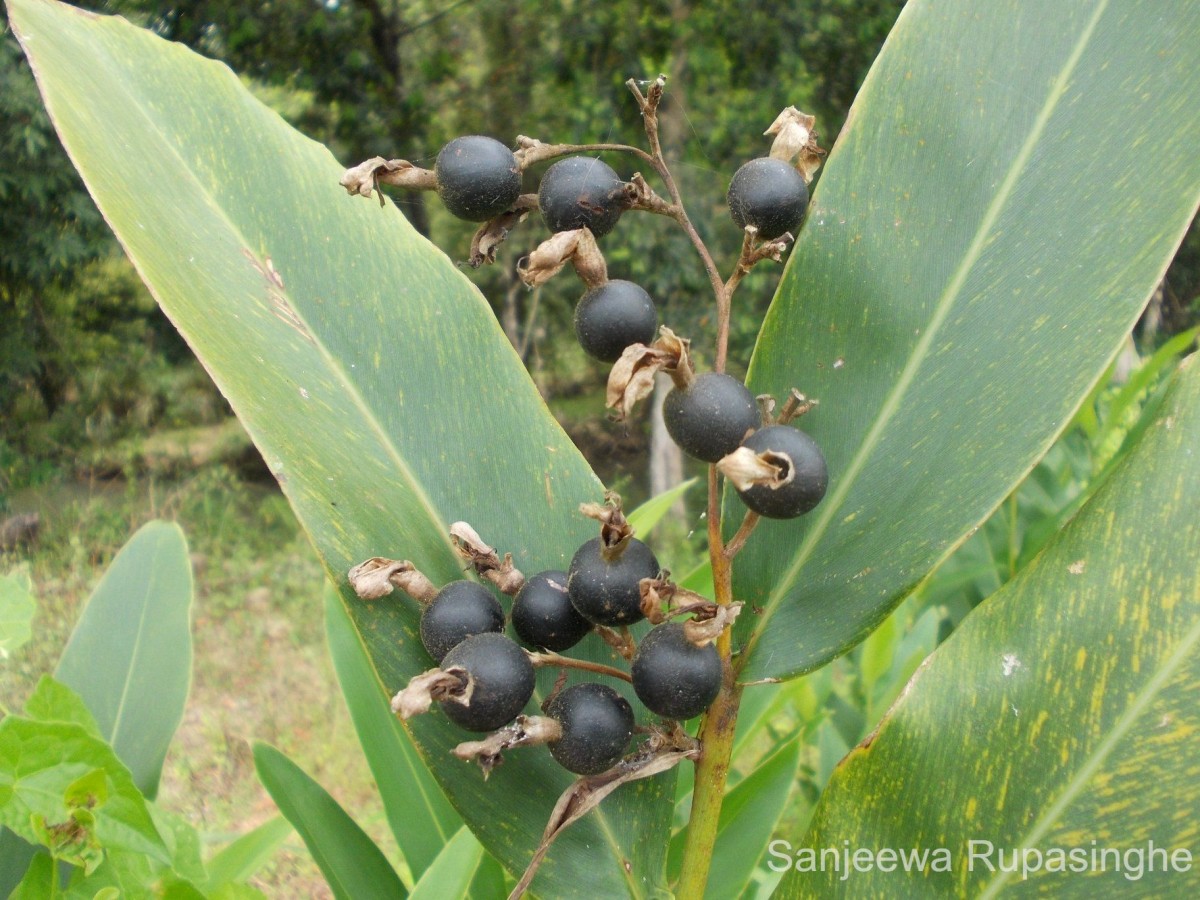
column 632, row 376
column 378, row 576
column 577, row 247
column 525, row 731
column 796, row 142
column 367, row 176
column 487, row 563
column 434, row 685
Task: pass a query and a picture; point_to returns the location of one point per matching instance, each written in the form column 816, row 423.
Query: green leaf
column 420, row 816
column 978, row 246
column 39, row 881
column 53, row 701
column 353, row 866
column 16, row 853
column 450, row 875
column 1071, row 695
column 242, row 858
column 370, row 373
column 130, row 655
column 749, row 814
column 645, row 517
column 17, row 607
column 41, row 763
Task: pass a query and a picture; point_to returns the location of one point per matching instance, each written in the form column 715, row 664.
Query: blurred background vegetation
column 106, row 419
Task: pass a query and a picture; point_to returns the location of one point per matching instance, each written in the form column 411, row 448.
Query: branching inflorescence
column 680, row 668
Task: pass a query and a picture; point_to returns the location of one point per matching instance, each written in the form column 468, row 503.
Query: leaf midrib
column 950, row 295
column 147, row 592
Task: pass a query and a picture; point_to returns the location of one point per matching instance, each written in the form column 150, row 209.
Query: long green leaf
column 241, row 859
column 353, row 866
column 370, row 373
column 1061, row 713
column 450, row 875
column 1007, row 192
column 130, row 655
column 420, row 816
column 645, row 517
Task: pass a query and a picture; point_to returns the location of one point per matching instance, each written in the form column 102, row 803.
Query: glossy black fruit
column 580, row 192
column 612, row 316
column 810, row 477
column 606, row 593
column 770, row 195
column 542, row 614
column 503, row 677
column 672, row 676
column 478, row 177
column 460, row 609
column 710, row 418
column 597, row 725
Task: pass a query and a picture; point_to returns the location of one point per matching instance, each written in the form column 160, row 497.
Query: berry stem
column 566, row 662
column 649, row 108
column 743, row 534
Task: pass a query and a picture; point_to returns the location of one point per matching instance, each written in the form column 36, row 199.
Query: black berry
column 612, row 316
column 460, row 609
column 478, row 177
column 709, row 419
column 606, row 592
column 768, row 194
column 597, row 725
column 805, row 463
column 580, row 192
column 503, row 677
column 672, row 676
column 542, row 614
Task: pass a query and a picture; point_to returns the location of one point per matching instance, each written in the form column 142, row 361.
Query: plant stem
column 716, row 733
column 567, row 662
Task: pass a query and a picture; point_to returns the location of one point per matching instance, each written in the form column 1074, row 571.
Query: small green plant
column 80, row 766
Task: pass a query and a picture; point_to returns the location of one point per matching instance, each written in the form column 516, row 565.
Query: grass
column 261, row 669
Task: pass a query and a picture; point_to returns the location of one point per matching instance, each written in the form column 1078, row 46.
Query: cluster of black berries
column 711, row 415
column 478, row 179
column 485, row 679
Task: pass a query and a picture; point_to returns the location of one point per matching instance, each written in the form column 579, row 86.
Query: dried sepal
column 619, row 639
column 378, row 576
column 632, row 377
column 766, row 408
column 525, row 731
column 703, row 631
column 577, row 247
column 487, row 563
column 744, row 468
column 434, row 685
column 492, row 233
column 615, row 530
column 648, row 102
column 640, row 196
column 655, row 593
column 796, row 406
column 663, row 751
column 367, row 176
column 796, row 142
